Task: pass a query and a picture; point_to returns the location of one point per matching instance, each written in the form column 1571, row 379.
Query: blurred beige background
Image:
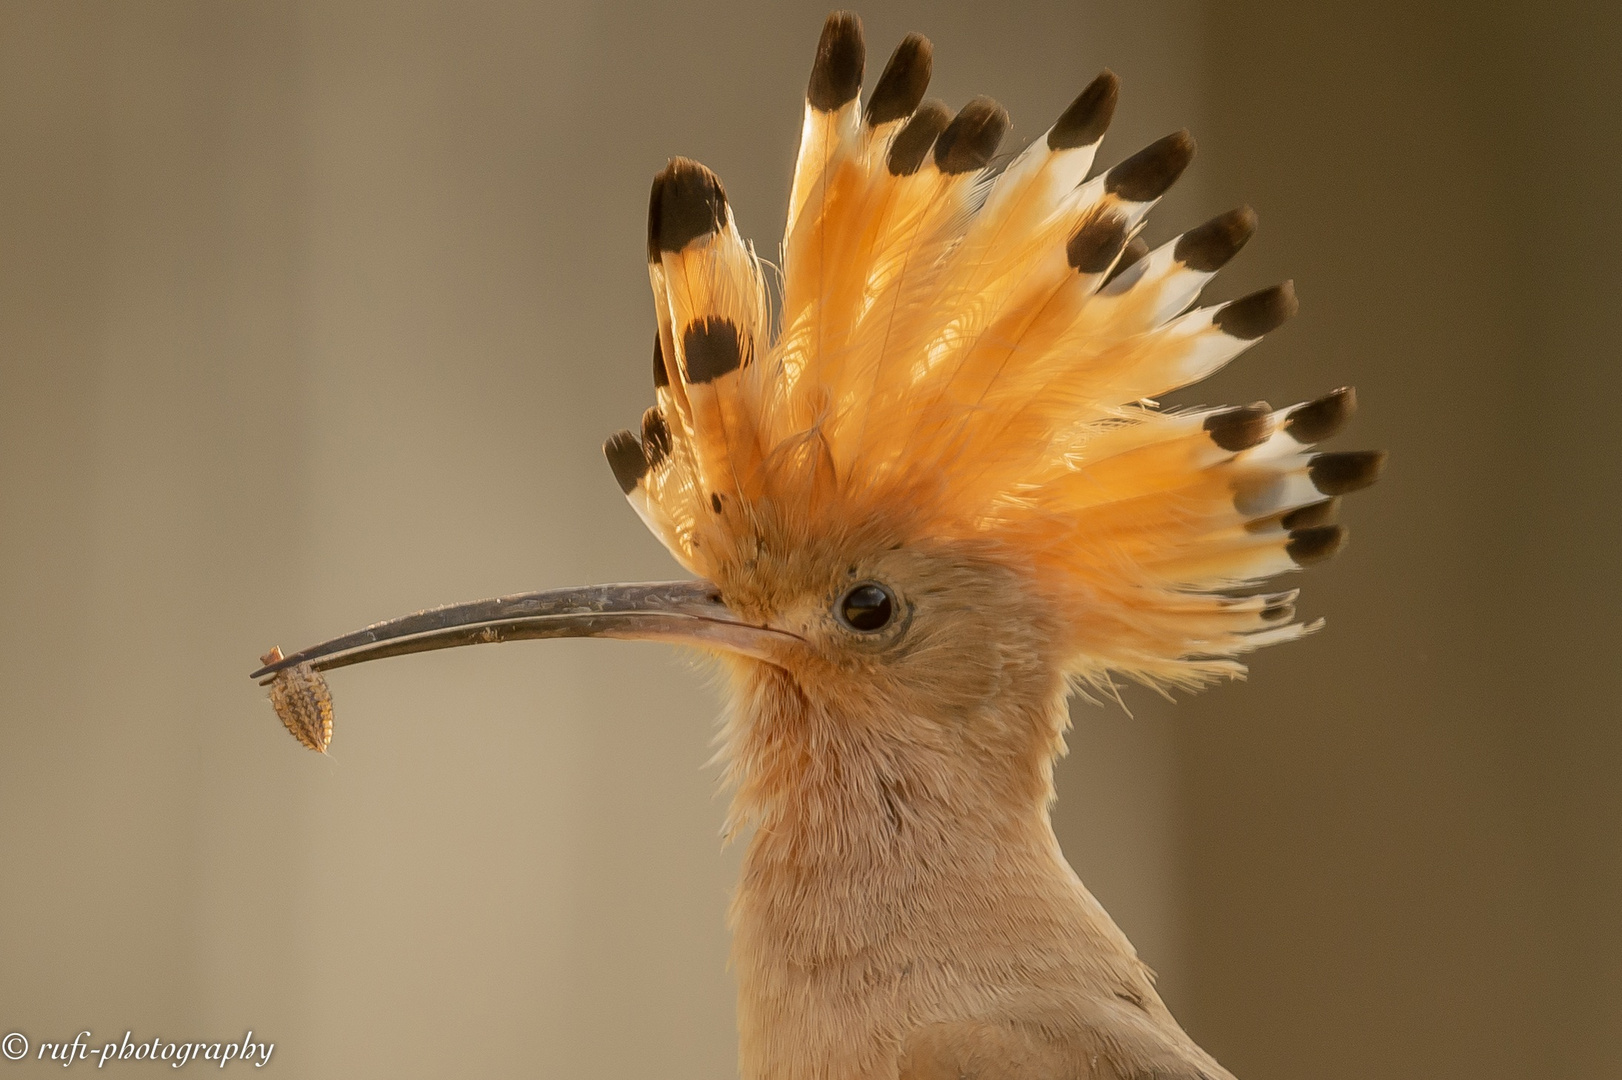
column 313, row 314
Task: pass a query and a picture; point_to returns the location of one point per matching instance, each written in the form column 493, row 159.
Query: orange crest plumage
column 967, row 351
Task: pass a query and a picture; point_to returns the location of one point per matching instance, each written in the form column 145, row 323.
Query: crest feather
column 971, row 352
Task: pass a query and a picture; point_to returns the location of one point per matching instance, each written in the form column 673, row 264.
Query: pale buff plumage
column 958, row 404
column 952, row 411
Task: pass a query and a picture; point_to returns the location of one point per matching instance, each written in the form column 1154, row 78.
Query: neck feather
column 863, row 818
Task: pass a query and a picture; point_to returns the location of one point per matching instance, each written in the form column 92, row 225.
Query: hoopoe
column 927, row 492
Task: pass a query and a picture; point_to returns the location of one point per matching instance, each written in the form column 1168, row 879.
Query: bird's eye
column 867, row 607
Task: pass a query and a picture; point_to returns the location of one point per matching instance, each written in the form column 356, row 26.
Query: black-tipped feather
column 1347, row 471
column 1318, row 420
column 624, row 452
column 1096, row 244
column 1308, row 546
column 661, row 374
column 712, row 348
column 1135, row 250
column 1208, row 247
column 902, row 86
column 1240, row 428
column 836, row 74
column 1259, row 313
column 912, row 142
column 655, row 437
column 1088, row 117
column 1312, row 516
column 687, row 202
column 972, row 137
column 1148, row 174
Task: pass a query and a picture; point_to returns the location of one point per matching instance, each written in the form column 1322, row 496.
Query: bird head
column 923, row 474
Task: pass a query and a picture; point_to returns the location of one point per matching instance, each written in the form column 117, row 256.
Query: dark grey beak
column 685, row 612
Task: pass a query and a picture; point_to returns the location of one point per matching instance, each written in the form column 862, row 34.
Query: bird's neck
column 863, row 822
column 895, row 869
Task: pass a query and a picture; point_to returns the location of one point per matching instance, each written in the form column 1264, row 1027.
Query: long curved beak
column 685, row 612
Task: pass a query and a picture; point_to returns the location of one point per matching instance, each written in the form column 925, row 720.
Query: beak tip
column 266, row 662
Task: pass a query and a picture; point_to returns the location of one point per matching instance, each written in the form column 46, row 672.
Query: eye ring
column 867, row 607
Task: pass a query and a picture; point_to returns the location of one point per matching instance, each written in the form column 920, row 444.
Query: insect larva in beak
column 301, row 698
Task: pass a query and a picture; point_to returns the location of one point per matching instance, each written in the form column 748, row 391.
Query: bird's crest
column 962, row 351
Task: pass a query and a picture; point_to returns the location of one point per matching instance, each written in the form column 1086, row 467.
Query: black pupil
column 866, row 607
